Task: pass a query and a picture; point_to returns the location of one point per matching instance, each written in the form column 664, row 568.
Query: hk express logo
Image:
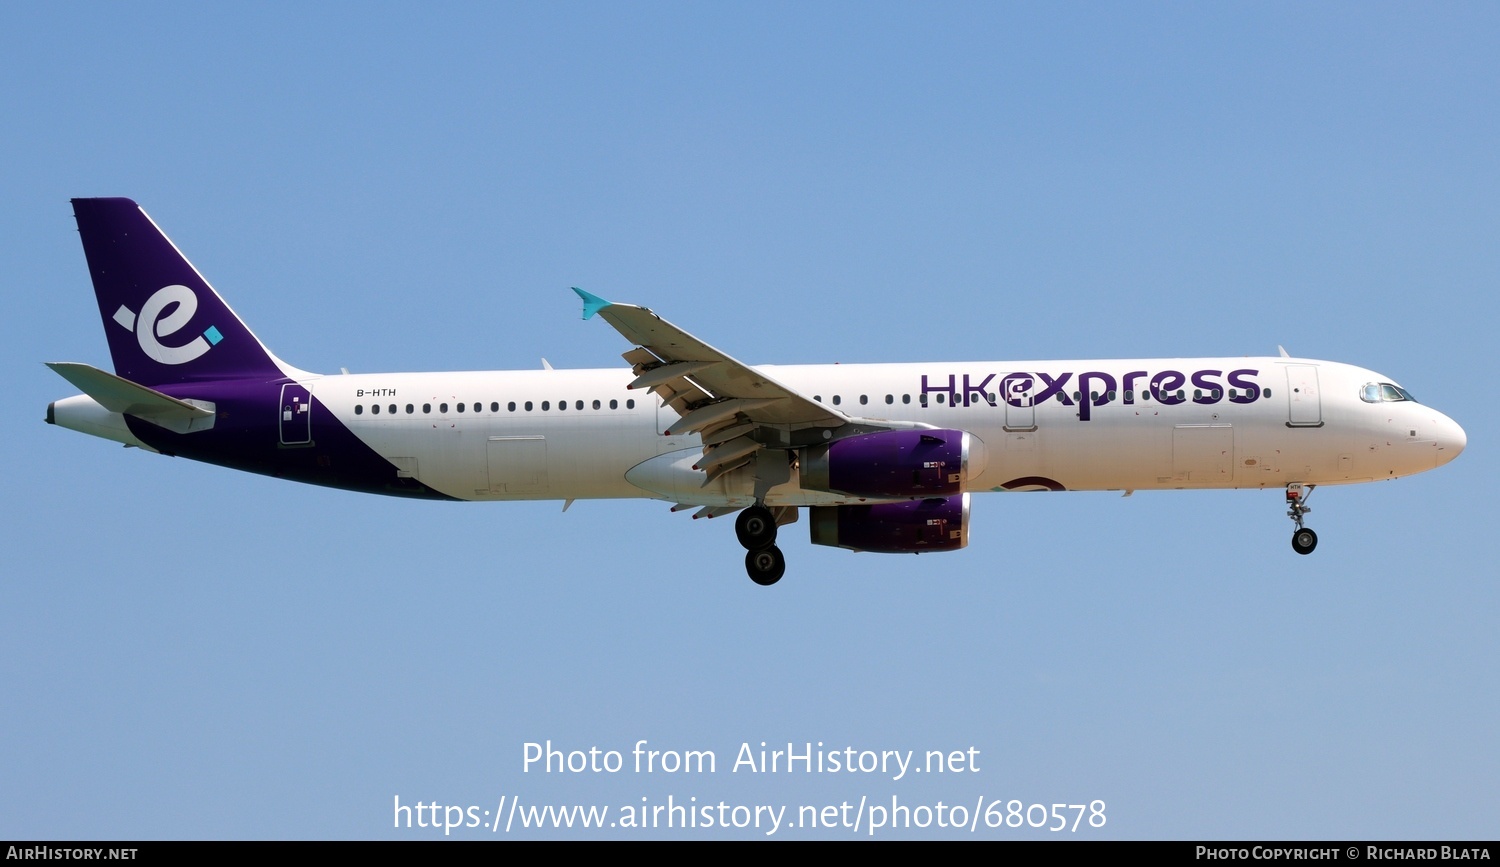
column 1096, row 388
column 150, row 325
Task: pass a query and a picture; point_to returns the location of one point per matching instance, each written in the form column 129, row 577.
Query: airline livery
column 884, row 457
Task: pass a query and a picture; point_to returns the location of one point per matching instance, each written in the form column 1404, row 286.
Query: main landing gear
column 756, row 529
column 1303, row 539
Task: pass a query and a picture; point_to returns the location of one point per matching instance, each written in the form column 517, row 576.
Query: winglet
column 591, row 303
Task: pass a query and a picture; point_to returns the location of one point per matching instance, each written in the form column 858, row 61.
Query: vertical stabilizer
column 165, row 324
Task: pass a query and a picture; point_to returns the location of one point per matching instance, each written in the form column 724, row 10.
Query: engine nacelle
column 911, row 527
column 894, row 463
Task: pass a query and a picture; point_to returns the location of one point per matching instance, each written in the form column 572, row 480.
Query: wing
column 736, row 409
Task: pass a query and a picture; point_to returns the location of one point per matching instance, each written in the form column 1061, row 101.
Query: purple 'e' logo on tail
column 151, row 325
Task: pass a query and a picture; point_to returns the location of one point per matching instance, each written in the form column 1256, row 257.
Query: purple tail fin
column 164, row 322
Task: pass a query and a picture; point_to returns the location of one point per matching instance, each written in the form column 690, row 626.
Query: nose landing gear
column 1303, row 539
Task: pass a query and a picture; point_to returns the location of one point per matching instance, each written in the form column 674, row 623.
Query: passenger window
column 890, row 398
column 374, row 409
column 546, row 404
column 578, row 404
column 359, row 409
column 837, row 400
column 426, row 407
column 443, row 408
column 561, row 405
column 460, row 407
column 511, row 407
column 528, row 406
column 906, row 398
column 393, row 409
column 614, row 404
column 596, row 404
column 410, row 409
column 494, row 406
column 630, row 404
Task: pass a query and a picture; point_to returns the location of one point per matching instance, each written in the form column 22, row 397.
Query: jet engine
column 896, row 463
column 910, row 527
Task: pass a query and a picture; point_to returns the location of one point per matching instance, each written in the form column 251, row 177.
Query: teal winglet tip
column 591, row 303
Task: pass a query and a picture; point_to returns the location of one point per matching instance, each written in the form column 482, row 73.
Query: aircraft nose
column 1451, row 439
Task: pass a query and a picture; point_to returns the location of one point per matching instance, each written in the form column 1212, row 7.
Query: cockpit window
column 1384, row 391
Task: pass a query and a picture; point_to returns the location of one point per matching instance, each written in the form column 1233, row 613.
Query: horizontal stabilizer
column 117, row 394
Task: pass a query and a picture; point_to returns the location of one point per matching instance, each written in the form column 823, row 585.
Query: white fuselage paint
column 574, row 453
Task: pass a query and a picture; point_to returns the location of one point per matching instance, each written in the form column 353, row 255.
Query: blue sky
column 187, row 652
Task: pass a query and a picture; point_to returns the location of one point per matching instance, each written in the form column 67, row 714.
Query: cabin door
column 296, row 415
column 1304, row 404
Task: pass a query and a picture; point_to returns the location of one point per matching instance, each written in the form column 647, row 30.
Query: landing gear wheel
column 1304, row 541
column 756, row 529
column 766, row 566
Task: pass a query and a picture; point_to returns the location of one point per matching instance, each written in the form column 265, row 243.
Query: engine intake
column 897, row 463
column 911, row 527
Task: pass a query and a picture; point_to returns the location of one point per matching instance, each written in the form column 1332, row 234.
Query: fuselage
column 581, row 434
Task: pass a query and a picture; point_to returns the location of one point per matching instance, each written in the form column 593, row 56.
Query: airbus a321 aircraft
column 884, row 457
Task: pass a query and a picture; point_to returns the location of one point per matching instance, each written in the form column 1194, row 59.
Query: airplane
column 884, row 457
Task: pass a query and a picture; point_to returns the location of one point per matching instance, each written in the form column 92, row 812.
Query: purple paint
column 247, row 435
column 1054, row 387
column 1016, row 389
column 902, row 463
column 1087, row 397
column 1207, row 391
column 912, row 527
column 1164, row 387
column 164, row 323
column 1095, row 388
column 1033, row 483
